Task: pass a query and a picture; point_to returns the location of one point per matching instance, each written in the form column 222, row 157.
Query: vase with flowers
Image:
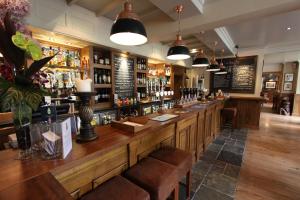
column 21, row 81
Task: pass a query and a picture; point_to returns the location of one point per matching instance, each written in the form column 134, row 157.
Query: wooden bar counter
column 248, row 111
column 90, row 164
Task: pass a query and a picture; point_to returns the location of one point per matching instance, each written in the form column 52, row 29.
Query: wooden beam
column 109, row 7
column 71, row 2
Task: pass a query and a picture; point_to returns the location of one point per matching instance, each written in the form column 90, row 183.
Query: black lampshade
column 127, row 29
column 200, row 62
column 178, row 52
column 213, row 68
column 222, row 71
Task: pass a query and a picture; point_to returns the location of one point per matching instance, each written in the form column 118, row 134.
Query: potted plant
column 21, row 81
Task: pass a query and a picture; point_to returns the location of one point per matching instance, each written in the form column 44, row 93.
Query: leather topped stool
column 229, row 114
column 183, row 161
column 115, row 189
column 156, row 177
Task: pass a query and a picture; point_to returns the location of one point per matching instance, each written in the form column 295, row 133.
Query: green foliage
column 28, row 45
column 13, row 94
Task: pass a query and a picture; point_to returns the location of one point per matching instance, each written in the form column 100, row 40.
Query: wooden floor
column 271, row 166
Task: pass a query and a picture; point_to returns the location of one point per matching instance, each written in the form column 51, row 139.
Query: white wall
column 77, row 22
column 272, row 67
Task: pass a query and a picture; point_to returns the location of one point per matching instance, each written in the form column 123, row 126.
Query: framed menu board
column 240, row 78
column 124, row 76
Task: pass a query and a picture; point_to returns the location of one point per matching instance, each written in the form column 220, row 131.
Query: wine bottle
column 108, row 77
column 104, row 78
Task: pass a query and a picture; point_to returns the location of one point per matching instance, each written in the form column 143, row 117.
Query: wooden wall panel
column 200, row 134
column 142, row 147
column 186, row 135
column 81, row 178
column 209, row 126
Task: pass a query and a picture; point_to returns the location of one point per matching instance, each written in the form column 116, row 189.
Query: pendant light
column 236, row 62
column 214, row 65
column 127, row 28
column 222, row 67
column 178, row 51
column 200, row 60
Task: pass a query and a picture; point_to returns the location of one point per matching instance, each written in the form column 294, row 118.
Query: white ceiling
column 267, row 31
column 252, row 24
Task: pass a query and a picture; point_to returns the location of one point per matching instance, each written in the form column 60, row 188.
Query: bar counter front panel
column 90, row 164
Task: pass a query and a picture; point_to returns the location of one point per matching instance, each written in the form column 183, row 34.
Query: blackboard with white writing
column 124, row 76
column 240, row 78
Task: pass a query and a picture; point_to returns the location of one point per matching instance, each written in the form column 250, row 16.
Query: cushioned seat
column 156, row 177
column 183, row 161
column 115, row 189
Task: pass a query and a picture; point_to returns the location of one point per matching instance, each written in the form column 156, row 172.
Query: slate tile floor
column 215, row 176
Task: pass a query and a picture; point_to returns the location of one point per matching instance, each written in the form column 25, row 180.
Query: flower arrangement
column 20, row 79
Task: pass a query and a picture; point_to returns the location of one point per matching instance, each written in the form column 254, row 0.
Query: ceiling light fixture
column 236, row 62
column 222, row 67
column 178, row 51
column 288, row 28
column 214, row 65
column 1, row 56
column 128, row 29
column 200, row 60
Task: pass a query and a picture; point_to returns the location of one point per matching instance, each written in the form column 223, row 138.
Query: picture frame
column 288, row 77
column 270, row 85
column 288, row 86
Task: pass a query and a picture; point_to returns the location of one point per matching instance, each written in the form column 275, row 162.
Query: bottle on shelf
column 96, row 76
column 104, row 78
column 100, row 80
column 108, row 77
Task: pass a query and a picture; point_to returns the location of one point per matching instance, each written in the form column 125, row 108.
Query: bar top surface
column 14, row 171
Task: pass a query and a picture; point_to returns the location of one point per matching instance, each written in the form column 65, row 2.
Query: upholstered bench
column 182, row 160
column 158, row 178
column 117, row 188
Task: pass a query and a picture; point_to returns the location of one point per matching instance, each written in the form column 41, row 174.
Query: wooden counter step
column 45, row 186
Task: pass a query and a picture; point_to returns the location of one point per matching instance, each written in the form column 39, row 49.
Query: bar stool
column 229, row 114
column 182, row 160
column 158, row 178
column 115, row 189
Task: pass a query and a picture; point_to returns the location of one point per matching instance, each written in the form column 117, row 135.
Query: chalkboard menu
column 124, row 76
column 240, row 78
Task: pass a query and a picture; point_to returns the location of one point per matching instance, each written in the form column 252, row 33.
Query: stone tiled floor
column 215, row 176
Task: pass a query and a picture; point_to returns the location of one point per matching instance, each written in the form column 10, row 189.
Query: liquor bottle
column 138, row 64
column 77, row 59
column 104, row 78
column 95, row 58
column 96, row 77
column 108, row 77
column 100, row 80
column 68, row 58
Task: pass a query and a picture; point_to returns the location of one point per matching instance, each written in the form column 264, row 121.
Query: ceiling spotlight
column 289, row 28
column 128, row 29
